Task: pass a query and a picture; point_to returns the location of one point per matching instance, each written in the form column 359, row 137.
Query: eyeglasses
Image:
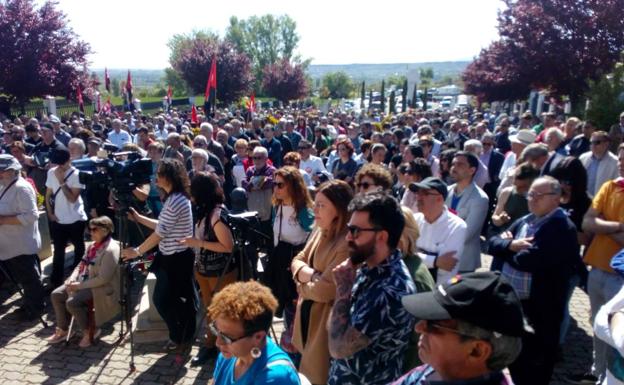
column 355, row 230
column 537, row 195
column 364, row 185
column 279, row 185
column 487, row 144
column 92, row 228
column 596, row 142
column 433, row 327
column 226, row 339
column 258, row 157
column 342, row 149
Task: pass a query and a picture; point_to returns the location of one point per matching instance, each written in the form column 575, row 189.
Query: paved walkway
column 25, row 358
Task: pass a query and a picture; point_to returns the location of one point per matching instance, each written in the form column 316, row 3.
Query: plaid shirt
column 521, row 280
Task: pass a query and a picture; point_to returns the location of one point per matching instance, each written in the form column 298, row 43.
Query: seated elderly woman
column 242, row 314
column 96, row 278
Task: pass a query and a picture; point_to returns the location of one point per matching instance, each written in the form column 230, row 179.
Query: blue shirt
column 261, row 371
column 376, row 311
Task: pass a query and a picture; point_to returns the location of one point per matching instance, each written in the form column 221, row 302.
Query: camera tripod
column 125, row 282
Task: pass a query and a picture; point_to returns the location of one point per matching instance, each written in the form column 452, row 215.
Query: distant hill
column 376, row 72
column 359, row 72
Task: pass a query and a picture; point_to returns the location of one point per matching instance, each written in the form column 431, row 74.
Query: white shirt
column 292, row 232
column 602, row 330
column 119, row 139
column 447, row 233
column 313, row 165
column 20, row 200
column 65, row 211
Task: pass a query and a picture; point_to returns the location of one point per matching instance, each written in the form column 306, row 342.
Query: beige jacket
column 104, row 282
column 327, row 255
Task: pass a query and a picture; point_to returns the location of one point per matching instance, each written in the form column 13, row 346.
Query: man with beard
column 368, row 327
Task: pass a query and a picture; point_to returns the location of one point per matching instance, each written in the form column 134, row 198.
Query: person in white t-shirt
column 65, row 211
column 442, row 233
column 117, row 136
column 313, row 165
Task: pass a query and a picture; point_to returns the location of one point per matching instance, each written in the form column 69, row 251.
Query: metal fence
column 64, row 109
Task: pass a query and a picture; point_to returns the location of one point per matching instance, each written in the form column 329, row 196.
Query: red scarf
column 83, row 270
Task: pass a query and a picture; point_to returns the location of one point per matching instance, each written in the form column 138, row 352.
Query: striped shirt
column 175, row 223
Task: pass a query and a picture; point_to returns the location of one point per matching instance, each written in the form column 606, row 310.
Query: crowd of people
column 373, row 228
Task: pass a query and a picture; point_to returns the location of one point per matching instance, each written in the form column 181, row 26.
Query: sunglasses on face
column 304, row 148
column 355, row 230
column 258, row 157
column 596, row 142
column 279, row 185
column 226, row 339
column 93, row 228
column 364, row 185
column 434, row 327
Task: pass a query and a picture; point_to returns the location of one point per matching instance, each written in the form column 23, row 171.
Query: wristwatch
column 136, row 249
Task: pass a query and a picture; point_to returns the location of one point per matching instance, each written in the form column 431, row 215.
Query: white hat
column 8, row 162
column 525, row 137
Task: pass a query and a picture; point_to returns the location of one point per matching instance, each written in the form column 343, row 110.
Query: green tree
column 338, row 84
column 383, row 95
column 362, row 94
column 606, row 98
column 265, row 39
column 404, row 95
column 173, row 79
column 415, row 96
column 396, row 80
column 115, row 88
column 392, row 102
column 426, row 79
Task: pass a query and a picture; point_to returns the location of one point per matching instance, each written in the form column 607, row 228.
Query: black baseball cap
column 484, row 299
column 431, row 183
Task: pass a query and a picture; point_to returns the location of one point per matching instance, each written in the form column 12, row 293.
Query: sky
column 134, row 33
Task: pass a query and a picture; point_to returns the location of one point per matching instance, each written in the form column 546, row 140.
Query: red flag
column 212, row 80
column 194, row 115
column 252, row 103
column 106, row 80
column 80, row 100
column 169, row 95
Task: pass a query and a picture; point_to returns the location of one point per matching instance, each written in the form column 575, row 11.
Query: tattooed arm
column 344, row 339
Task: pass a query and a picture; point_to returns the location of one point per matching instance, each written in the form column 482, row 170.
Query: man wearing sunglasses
column 368, row 327
column 442, row 234
column 600, row 163
column 470, row 330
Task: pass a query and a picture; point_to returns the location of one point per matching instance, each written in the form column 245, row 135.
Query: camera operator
column 19, row 235
column 65, row 212
column 174, row 294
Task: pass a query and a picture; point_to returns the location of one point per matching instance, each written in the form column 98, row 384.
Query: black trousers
column 175, row 296
column 61, row 234
column 26, row 271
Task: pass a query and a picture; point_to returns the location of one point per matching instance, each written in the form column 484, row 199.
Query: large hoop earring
column 256, row 353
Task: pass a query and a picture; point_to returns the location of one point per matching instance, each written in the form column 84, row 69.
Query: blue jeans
column 601, row 287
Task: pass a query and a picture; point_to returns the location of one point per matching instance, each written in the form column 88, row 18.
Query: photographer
column 19, row 235
column 174, row 294
column 65, row 212
column 213, row 244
